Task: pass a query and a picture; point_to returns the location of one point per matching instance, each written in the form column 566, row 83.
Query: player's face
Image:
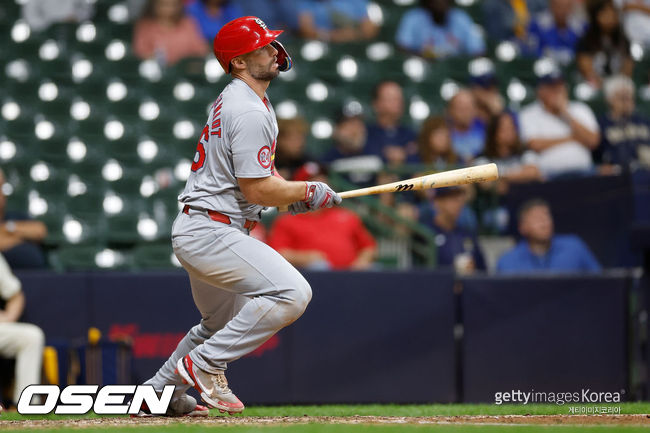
column 262, row 63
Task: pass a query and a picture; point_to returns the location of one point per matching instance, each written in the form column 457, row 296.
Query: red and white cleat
column 213, row 388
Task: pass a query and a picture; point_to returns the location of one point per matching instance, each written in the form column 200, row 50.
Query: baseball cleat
column 185, row 405
column 213, row 388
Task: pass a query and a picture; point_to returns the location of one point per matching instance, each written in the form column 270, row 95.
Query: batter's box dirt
column 261, row 421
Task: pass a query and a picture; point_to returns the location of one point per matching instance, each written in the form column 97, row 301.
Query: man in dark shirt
column 625, row 137
column 387, row 137
column 457, row 246
column 19, row 236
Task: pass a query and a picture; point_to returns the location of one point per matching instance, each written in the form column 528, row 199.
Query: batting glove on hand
column 319, row 195
column 298, row 207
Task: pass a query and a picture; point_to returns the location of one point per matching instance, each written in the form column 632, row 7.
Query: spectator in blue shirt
column 625, row 133
column 467, row 129
column 335, row 20
column 276, row 14
column 509, row 19
column 211, row 15
column 348, row 155
column 541, row 250
column 457, row 244
column 388, row 138
column 555, row 33
column 437, row 30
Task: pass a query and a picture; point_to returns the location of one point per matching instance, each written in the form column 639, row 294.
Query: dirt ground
column 243, row 420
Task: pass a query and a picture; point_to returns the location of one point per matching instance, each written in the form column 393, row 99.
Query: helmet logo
column 260, row 23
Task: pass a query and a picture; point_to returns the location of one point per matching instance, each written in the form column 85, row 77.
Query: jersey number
column 199, row 157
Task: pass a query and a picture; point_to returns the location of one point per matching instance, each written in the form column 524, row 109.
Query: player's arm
column 29, row 230
column 272, row 190
column 13, row 309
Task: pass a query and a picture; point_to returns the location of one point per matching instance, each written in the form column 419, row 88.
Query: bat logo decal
column 406, row 187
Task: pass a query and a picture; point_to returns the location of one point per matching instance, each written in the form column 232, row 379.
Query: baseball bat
column 461, row 176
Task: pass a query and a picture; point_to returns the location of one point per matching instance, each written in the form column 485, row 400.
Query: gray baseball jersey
column 245, row 290
column 237, row 141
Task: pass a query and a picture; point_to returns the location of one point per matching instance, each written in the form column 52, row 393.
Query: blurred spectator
column 457, row 244
column 437, row 30
column 19, row 237
column 434, row 144
column 335, row 20
column 636, row 20
column 541, row 250
column 290, row 153
column 509, row 19
column 22, row 341
column 135, row 8
column 505, row 149
column 277, row 14
column 562, row 132
column 329, row 238
column 40, row 14
column 485, row 89
column 388, row 137
column 555, row 33
column 467, row 130
column 625, row 138
column 348, row 154
column 166, row 34
column 211, row 15
column 603, row 50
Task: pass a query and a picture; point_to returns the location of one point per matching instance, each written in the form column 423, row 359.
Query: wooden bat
column 461, row 176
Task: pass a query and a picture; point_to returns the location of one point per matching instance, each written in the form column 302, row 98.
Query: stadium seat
column 123, row 228
column 154, row 256
column 78, row 258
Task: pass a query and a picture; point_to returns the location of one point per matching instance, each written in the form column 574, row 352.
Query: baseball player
column 245, row 290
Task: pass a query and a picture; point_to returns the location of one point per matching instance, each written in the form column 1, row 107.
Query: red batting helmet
column 246, row 34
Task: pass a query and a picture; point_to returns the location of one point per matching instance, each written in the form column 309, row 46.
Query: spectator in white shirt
column 636, row 20
column 22, row 341
column 561, row 131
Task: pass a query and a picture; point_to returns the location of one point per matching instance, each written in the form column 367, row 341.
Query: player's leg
column 241, row 264
column 24, row 342
column 278, row 293
column 220, row 307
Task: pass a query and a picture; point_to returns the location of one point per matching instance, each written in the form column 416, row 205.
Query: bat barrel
column 461, row 176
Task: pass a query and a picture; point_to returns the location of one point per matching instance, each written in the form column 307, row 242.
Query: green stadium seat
column 88, row 207
column 154, row 256
column 123, row 228
column 79, row 258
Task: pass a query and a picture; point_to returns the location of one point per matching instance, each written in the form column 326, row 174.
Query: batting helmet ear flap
column 284, row 59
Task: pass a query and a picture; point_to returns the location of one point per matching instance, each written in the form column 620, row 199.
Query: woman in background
column 434, row 144
column 166, row 34
column 504, row 148
column 604, row 50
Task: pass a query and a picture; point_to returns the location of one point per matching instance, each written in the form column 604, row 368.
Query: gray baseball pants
column 244, row 290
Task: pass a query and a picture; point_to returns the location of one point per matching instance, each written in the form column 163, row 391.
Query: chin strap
column 284, row 59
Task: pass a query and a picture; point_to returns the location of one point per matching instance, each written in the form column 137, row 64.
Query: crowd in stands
column 553, row 137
